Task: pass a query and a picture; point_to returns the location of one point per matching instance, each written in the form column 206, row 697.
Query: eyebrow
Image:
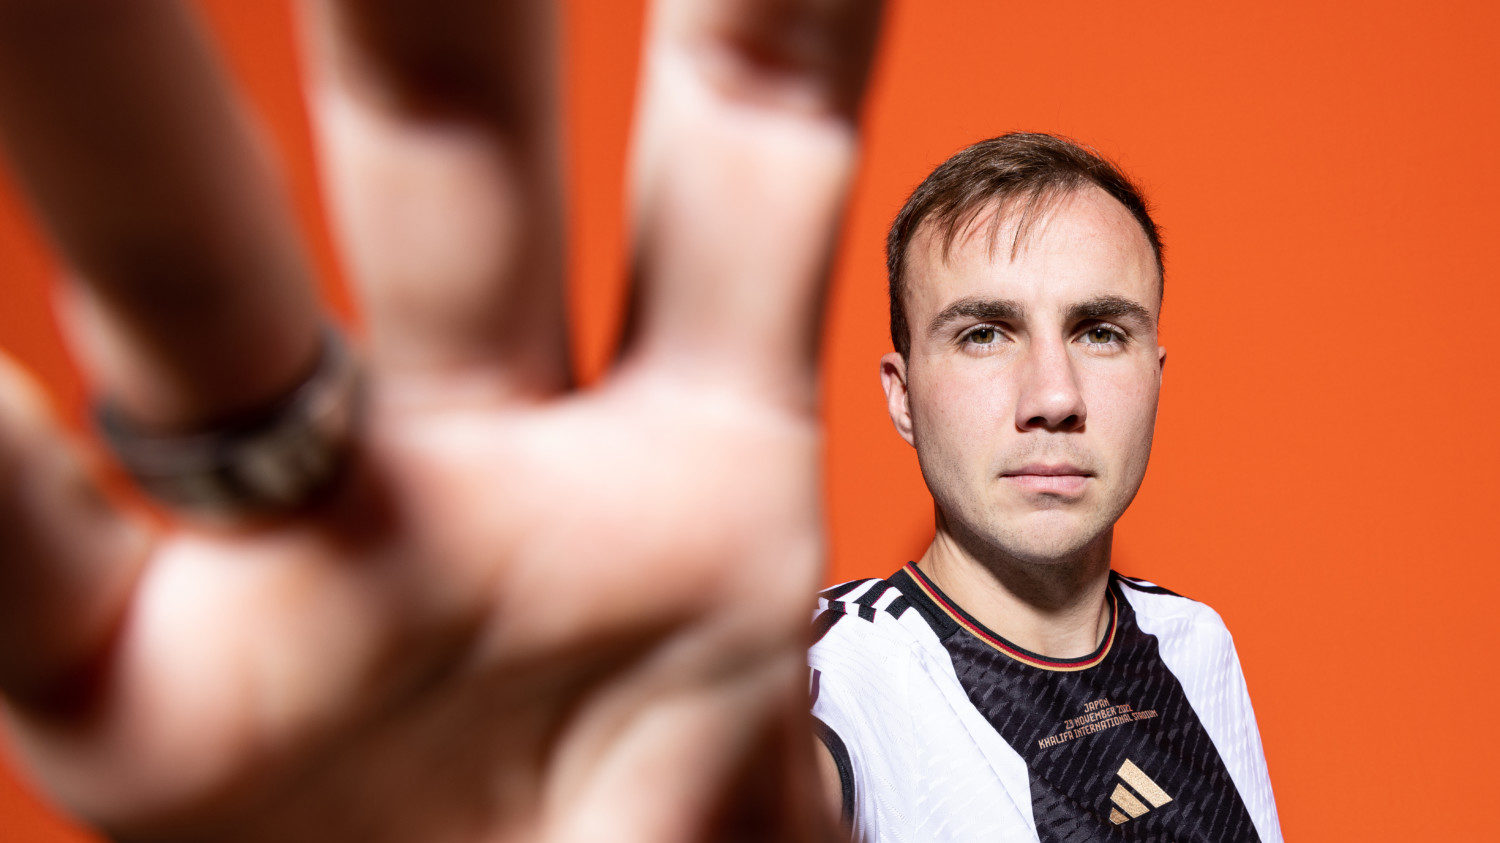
column 1100, row 308
column 974, row 307
column 1109, row 308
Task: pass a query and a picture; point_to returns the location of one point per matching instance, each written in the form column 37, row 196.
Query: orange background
column 1327, row 458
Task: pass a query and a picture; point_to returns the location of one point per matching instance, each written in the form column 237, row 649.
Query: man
column 1009, row 685
column 523, row 611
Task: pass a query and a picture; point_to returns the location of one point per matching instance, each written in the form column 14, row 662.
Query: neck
column 1054, row 608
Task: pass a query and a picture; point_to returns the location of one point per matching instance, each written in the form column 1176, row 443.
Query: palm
column 447, row 642
column 529, row 613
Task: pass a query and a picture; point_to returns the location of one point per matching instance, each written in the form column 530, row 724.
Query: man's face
column 1031, row 386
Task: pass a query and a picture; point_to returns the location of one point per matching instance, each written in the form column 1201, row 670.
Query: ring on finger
column 275, row 461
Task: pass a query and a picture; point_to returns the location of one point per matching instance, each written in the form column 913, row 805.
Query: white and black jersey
column 944, row 731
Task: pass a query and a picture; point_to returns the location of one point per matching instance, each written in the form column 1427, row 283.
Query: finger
column 438, row 140
column 194, row 303
column 742, row 158
column 67, row 559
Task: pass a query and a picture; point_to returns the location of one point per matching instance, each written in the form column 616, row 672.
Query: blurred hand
column 527, row 612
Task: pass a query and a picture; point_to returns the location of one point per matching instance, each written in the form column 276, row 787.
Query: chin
column 1046, row 555
column 1050, row 539
column 1037, row 537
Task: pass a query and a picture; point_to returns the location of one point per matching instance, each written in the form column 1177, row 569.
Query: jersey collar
column 928, row 592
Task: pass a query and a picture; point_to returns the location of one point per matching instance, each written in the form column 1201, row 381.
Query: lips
column 1049, row 478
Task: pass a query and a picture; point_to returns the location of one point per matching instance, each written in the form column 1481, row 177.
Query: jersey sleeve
column 859, row 704
column 1197, row 647
column 912, row 768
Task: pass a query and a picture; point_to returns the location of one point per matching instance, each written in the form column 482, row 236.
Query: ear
column 897, row 399
column 1161, row 358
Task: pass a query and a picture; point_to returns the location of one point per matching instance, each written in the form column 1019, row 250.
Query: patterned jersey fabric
column 945, row 731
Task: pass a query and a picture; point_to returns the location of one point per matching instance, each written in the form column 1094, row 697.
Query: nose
column 1050, row 398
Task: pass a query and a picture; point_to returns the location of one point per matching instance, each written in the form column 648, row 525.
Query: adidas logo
column 1130, row 802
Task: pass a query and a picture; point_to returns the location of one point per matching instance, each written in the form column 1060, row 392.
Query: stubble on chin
column 1045, row 533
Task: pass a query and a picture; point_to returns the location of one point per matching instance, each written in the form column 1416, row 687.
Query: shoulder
column 859, row 668
column 865, row 599
column 899, row 725
column 869, row 613
column 1191, row 637
column 1158, row 608
column 1190, row 634
column 868, row 637
column 1198, row 649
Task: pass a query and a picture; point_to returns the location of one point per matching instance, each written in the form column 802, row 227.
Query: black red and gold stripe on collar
column 935, row 596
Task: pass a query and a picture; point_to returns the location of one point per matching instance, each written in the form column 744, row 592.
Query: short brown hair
column 1019, row 172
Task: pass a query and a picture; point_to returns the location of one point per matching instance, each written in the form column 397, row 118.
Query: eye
column 1101, row 335
column 982, row 335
